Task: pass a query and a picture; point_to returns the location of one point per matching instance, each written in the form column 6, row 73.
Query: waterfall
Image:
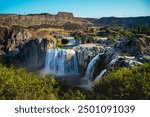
column 71, row 41
column 90, row 68
column 104, row 61
column 100, row 75
column 61, row 62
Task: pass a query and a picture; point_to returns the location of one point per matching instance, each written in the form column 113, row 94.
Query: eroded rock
column 33, row 53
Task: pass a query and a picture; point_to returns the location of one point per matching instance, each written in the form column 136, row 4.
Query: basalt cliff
column 62, row 19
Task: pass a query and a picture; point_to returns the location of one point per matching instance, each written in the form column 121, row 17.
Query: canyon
column 63, row 45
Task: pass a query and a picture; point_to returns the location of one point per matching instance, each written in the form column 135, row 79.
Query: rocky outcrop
column 3, row 38
column 136, row 45
column 85, row 53
column 33, row 53
column 13, row 39
column 127, row 61
column 65, row 16
column 20, row 44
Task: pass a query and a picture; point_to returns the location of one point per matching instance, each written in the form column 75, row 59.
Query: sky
column 80, row 8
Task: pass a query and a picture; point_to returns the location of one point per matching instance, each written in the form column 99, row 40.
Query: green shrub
column 124, row 83
column 74, row 94
column 20, row 84
column 69, row 92
column 58, row 44
column 111, row 38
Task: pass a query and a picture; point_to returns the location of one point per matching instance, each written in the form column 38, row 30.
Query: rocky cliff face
column 85, row 53
column 135, row 45
column 12, row 39
column 45, row 20
column 24, row 44
column 33, row 53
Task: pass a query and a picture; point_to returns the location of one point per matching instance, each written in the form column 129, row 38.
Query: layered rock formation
column 24, row 37
column 42, row 20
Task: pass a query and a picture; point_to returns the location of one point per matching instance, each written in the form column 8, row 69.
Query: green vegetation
column 141, row 30
column 58, row 44
column 123, row 83
column 20, row 84
column 111, row 38
column 125, row 32
column 66, row 91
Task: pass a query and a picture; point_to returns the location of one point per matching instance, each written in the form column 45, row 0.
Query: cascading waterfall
column 100, row 75
column 113, row 61
column 71, row 41
column 92, row 64
column 61, row 62
column 90, row 68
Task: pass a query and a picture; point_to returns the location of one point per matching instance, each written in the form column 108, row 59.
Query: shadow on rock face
column 33, row 53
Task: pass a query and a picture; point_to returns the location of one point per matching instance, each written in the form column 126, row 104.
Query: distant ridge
column 121, row 21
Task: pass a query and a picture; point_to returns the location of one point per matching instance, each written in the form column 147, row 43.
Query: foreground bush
column 124, row 83
column 66, row 91
column 20, row 84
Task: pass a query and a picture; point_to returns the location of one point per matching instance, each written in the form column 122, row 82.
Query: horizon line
column 44, row 13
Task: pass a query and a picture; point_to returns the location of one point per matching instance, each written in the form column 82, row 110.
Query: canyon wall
column 62, row 19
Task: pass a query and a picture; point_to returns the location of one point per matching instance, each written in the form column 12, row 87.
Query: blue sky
column 80, row 8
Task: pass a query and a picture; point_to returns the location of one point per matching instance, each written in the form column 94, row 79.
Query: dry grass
column 48, row 33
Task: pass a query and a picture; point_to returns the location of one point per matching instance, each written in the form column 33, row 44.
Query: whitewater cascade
column 90, row 68
column 72, row 41
column 61, row 62
column 100, row 75
column 105, row 65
